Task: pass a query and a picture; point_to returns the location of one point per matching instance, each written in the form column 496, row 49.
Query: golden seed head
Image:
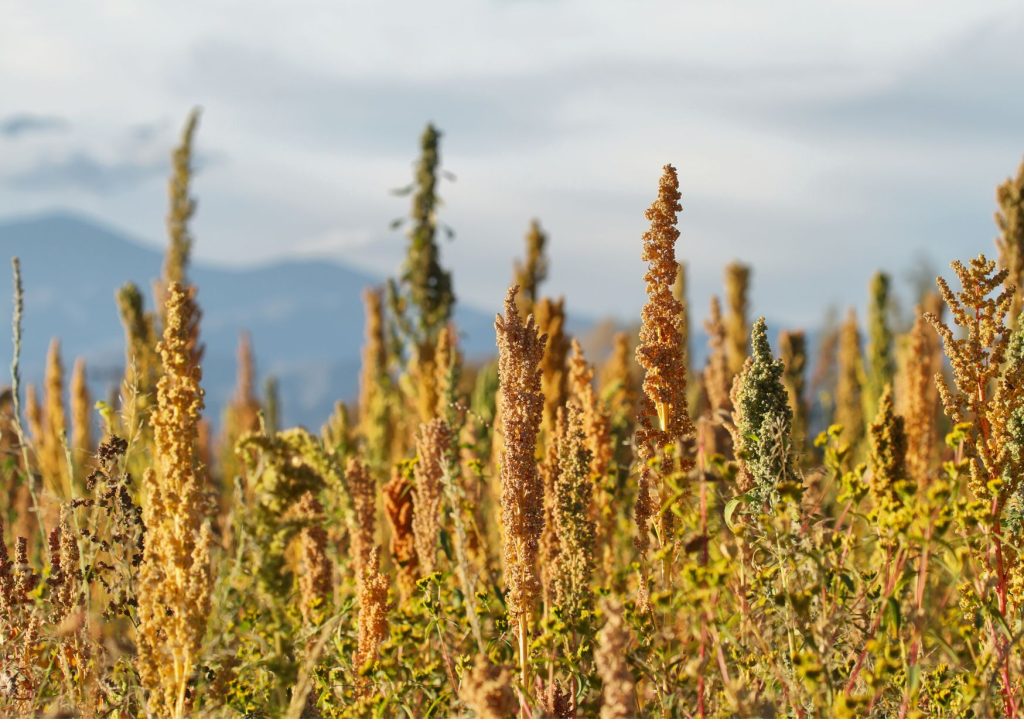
column 531, row 273
column 245, row 405
column 793, row 351
column 52, row 459
column 182, row 207
column 487, row 690
column 921, row 399
column 888, row 449
column 374, row 369
column 176, row 565
column 447, row 366
column 737, row 296
column 1010, row 242
column 660, row 349
column 717, row 374
column 398, row 506
column 550, row 317
column 988, row 352
column 572, row 517
column 372, row 587
column 362, row 488
column 850, row 381
column 314, row 570
column 664, row 419
column 81, row 418
column 617, row 378
column 596, row 419
column 613, row 644
column 521, row 349
column 432, row 445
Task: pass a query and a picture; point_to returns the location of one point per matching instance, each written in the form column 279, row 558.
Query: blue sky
column 814, row 140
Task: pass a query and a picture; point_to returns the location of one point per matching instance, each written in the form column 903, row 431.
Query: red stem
column 915, row 645
column 1002, row 648
column 703, row 616
column 890, row 585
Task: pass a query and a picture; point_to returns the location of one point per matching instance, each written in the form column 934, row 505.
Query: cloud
column 121, row 157
column 82, row 171
column 21, row 124
column 963, row 92
column 147, row 133
column 314, row 107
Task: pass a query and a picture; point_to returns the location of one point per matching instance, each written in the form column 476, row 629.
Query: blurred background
column 814, row 142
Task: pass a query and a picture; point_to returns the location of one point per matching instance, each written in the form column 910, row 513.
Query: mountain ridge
column 305, row 316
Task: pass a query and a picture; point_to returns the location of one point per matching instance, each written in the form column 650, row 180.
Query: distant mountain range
column 305, row 317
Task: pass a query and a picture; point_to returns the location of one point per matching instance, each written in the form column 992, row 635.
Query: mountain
column 305, row 317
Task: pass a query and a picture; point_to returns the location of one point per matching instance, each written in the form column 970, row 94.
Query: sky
column 817, row 141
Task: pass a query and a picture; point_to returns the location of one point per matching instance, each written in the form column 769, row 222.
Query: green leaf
column 893, row 615
column 730, row 509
